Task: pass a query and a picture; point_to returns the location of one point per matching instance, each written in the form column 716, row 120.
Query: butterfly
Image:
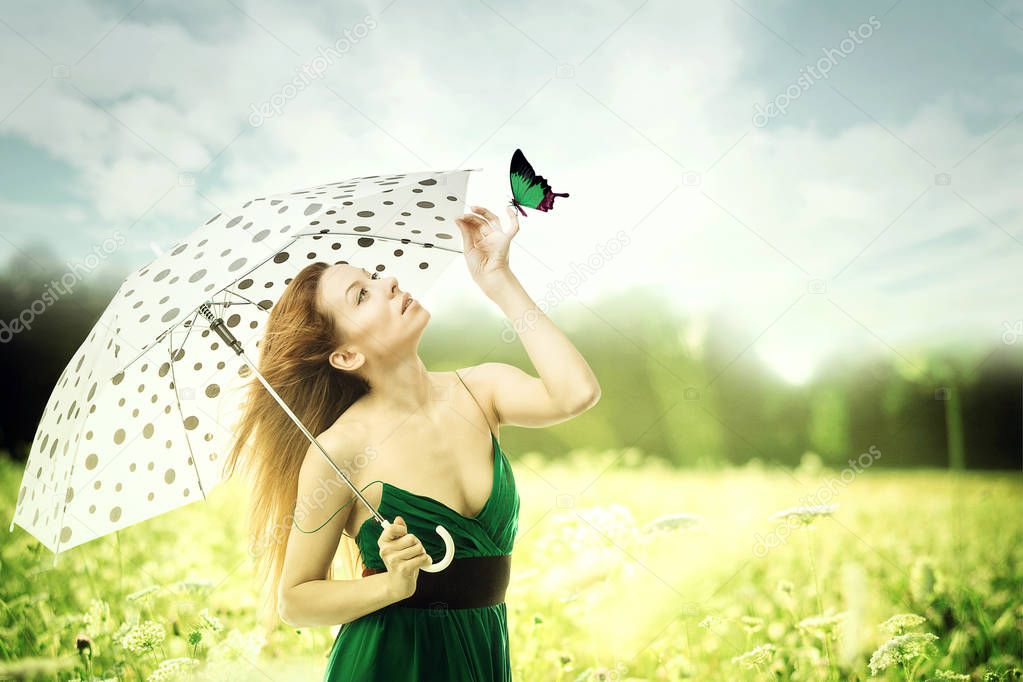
column 528, row 188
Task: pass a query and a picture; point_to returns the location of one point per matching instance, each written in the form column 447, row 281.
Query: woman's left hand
column 485, row 244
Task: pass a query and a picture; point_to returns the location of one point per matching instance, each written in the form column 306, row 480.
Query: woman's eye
column 375, row 275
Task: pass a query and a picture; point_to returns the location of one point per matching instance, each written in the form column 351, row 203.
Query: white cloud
column 432, row 87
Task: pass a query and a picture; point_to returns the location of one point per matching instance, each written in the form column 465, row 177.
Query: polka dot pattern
column 139, row 420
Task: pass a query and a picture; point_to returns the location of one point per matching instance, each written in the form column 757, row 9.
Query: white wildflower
column 899, row 623
column 144, row 637
column 613, row 520
column 97, row 619
column 805, row 515
column 821, row 626
column 209, row 622
column 671, row 522
column 899, row 650
column 200, row 587
column 757, row 657
column 172, row 669
column 712, row 621
column 143, row 593
column 121, row 631
column 240, row 645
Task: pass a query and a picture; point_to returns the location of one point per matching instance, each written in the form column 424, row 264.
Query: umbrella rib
column 170, row 329
column 247, row 300
column 71, row 470
column 177, row 399
column 403, row 240
column 185, row 340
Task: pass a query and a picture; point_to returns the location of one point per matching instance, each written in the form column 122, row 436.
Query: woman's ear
column 347, row 360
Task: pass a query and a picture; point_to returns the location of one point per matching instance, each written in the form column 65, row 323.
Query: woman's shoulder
column 343, row 439
column 480, row 380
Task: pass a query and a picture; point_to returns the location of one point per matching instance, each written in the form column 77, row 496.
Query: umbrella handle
column 449, row 550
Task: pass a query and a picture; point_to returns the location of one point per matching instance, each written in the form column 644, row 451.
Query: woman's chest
column 457, row 479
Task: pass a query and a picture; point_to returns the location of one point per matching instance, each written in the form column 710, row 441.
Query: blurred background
column 791, row 245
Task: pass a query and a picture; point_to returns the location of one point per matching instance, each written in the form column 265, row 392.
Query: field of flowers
column 621, row 572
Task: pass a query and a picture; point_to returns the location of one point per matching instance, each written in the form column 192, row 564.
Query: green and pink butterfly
column 528, row 188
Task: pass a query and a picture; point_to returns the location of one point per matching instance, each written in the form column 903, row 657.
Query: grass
column 594, row 594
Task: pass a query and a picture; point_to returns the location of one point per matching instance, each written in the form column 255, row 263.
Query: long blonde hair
column 298, row 340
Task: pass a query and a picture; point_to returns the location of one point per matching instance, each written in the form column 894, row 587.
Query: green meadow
column 622, row 570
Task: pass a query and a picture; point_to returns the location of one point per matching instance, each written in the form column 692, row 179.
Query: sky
column 837, row 179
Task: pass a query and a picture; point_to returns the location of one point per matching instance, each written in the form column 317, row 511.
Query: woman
column 341, row 349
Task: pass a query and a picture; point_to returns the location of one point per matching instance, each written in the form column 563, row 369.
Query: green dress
column 397, row 643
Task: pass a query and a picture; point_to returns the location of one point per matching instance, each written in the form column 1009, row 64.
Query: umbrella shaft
column 312, row 439
column 223, row 332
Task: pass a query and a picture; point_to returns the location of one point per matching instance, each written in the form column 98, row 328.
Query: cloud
column 844, row 183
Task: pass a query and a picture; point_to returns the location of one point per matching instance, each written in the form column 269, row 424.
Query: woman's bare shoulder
column 343, row 440
column 482, row 380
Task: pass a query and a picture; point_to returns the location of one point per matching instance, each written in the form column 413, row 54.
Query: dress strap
column 485, row 418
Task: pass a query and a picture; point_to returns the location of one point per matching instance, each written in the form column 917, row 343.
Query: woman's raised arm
column 566, row 385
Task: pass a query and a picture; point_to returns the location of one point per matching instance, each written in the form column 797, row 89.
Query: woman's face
column 368, row 309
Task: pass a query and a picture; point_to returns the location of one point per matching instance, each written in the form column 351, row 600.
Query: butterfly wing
column 528, row 188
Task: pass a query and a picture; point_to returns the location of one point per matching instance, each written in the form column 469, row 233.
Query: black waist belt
column 467, row 583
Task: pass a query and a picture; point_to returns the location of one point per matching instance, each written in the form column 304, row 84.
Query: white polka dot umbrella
column 141, row 416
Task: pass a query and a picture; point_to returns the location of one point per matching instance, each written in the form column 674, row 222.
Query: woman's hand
column 485, row 244
column 403, row 555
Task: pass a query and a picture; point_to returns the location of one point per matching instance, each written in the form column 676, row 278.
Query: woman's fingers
column 409, row 553
column 477, row 222
column 399, row 544
column 475, row 229
column 470, row 233
column 514, row 215
column 494, row 222
column 491, row 219
column 395, row 530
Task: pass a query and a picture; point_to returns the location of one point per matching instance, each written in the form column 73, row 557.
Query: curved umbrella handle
column 449, row 550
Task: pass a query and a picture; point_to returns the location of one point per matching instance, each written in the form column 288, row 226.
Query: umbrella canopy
column 140, row 417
